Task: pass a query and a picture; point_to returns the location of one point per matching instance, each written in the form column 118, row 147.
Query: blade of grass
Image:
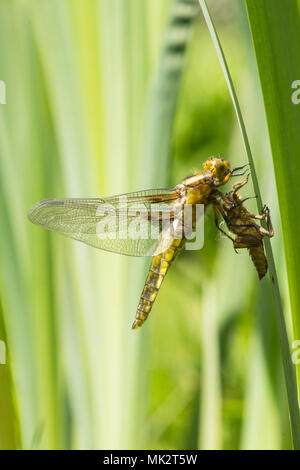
column 211, row 401
column 161, row 109
column 9, row 424
column 165, row 89
column 276, row 37
column 20, row 309
column 286, row 357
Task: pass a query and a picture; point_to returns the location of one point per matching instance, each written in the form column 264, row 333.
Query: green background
column 205, row 370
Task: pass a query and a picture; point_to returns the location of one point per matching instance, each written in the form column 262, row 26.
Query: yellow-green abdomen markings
column 158, row 269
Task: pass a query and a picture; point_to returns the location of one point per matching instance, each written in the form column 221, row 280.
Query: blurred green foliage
column 204, row 371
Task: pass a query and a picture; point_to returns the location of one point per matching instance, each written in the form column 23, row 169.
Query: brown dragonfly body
column 248, row 234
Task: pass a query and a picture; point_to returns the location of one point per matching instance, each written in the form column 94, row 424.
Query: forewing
column 121, row 224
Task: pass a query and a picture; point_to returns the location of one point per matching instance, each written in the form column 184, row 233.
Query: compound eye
column 219, row 169
column 209, row 165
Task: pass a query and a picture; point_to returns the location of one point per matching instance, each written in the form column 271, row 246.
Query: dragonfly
column 104, row 223
column 241, row 223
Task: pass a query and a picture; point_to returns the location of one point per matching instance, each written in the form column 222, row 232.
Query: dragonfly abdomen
column 259, row 260
column 158, row 269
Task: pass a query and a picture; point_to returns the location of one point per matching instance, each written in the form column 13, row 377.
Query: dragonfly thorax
column 197, row 180
column 196, row 189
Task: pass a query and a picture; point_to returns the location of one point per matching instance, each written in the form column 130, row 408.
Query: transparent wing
column 128, row 224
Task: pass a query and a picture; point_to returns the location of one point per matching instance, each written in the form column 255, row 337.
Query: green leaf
column 276, row 37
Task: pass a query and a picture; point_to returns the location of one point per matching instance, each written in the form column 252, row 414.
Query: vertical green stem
column 286, row 356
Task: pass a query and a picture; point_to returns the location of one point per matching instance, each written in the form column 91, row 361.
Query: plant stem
column 286, row 355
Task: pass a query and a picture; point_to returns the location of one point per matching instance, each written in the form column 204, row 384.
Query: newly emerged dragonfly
column 248, row 234
column 104, row 223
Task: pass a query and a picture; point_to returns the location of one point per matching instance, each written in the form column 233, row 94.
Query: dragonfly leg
column 240, row 184
column 266, row 214
column 217, row 221
column 241, row 202
column 225, row 201
column 270, row 232
column 247, row 199
column 258, row 216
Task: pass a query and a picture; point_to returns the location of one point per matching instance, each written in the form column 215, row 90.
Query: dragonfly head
column 219, row 168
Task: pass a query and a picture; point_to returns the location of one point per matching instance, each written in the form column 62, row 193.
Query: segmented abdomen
column 158, row 269
column 259, row 259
